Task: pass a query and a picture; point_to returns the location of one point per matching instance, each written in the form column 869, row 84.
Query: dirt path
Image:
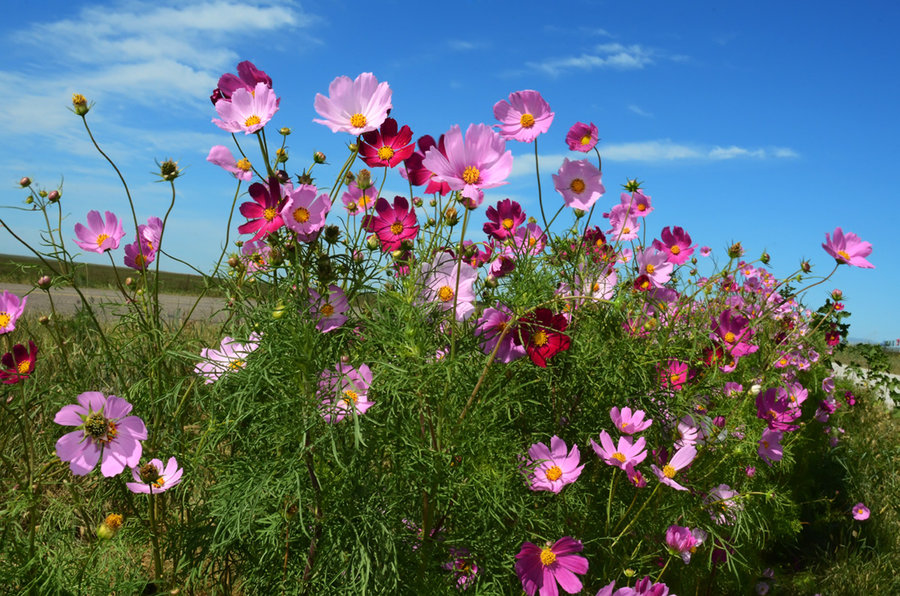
column 108, row 304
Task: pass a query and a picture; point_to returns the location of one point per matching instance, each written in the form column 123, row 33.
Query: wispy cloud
column 637, row 110
column 606, row 55
column 462, row 45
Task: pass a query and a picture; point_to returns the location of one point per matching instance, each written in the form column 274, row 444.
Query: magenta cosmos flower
column 683, row 541
column 393, row 224
column 629, row 422
column 722, row 505
column 682, row 458
column 386, row 147
column 491, row 326
column 524, row 116
column 450, row 283
column 248, row 111
column 138, row 256
column 504, row 219
column 152, row 478
column 343, row 390
column 264, row 212
column 582, row 137
column 860, row 512
column 419, row 175
column 99, row 235
column 551, row 469
column 304, row 212
column 355, row 106
column 11, row 308
column 104, row 430
column 541, row 333
column 637, row 203
column 643, row 587
column 328, row 309
column 626, row 453
column 676, row 243
column 18, row 364
column 230, row 356
column 472, row 164
column 247, row 78
column 221, row 156
column 540, row 569
column 770, row 448
column 579, row 184
column 848, row 249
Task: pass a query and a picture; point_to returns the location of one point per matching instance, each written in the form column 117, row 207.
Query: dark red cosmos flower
column 505, row 218
column 266, row 210
column 393, row 224
column 247, row 78
column 541, row 333
column 417, row 174
column 386, row 147
column 18, row 364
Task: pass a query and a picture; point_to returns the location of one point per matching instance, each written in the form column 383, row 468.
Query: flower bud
column 837, row 295
column 765, row 258
column 284, row 131
column 332, row 234
column 364, row 179
column 53, row 196
column 693, row 260
column 44, row 282
column 735, row 251
column 755, row 389
column 632, row 185
column 278, row 312
column 451, row 217
column 168, row 170
column 234, row 262
column 44, row 320
column 282, row 176
column 372, row 242
column 430, row 221
column 805, row 267
column 275, row 257
column 25, row 182
column 281, row 155
column 129, row 281
column 110, row 526
column 319, row 157
column 353, row 147
column 432, row 203
column 417, row 201
column 358, row 257
column 42, row 194
column 79, row 104
column 532, row 220
column 397, row 254
column 491, row 281
column 29, row 200
column 304, row 179
column 579, row 213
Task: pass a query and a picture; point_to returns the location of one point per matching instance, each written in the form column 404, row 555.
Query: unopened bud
column 168, row 170
column 632, row 185
column 53, row 196
column 765, row 258
column 358, row 257
column 278, row 312
column 364, row 179
column 44, row 282
column 735, row 251
column 129, row 281
column 837, row 295
column 29, row 200
column 353, row 147
column 284, row 131
column 579, row 213
column 332, row 234
column 25, row 182
column 397, row 254
column 282, row 176
column 304, row 179
column 755, row 389
column 80, row 104
column 319, row 157
column 234, row 262
column 451, row 217
column 281, row 155
column 532, row 220
column 42, row 194
column 372, row 242
column 805, row 267
column 432, row 203
column 491, row 281
column 431, row 221
column 110, row 526
column 417, row 201
column 44, row 320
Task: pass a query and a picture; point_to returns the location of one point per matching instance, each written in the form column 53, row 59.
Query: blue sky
column 767, row 122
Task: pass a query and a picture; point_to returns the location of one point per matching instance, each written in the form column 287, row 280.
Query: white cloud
column 462, row 45
column 637, row 110
column 607, row 55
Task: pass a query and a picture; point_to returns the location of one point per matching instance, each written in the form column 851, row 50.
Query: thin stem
column 154, row 540
column 537, row 171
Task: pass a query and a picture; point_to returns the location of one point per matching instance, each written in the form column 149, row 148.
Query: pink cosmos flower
column 449, row 283
column 471, row 164
column 539, row 569
column 530, row 239
column 848, row 249
column 524, row 116
column 152, row 478
column 504, row 219
column 722, row 505
column 304, row 213
column 579, row 182
column 151, row 234
column 329, row 308
column 860, row 512
column 734, row 332
column 393, row 224
column 386, row 147
column 248, row 111
column 582, row 137
column 265, row 210
column 343, row 390
column 655, row 266
column 552, row 469
column 621, row 456
column 770, row 446
column 247, row 78
column 230, row 356
column 18, row 364
column 643, row 587
column 684, row 541
column 255, row 255
column 11, row 308
column 418, row 174
column 221, row 156
column 629, row 422
column 675, row 375
column 637, row 203
column 99, row 236
column 137, row 256
column 104, row 429
column 682, row 458
column 359, row 201
column 705, row 251
column 355, row 106
column 777, row 410
column 676, row 243
column 463, row 566
column 623, row 226
column 490, row 326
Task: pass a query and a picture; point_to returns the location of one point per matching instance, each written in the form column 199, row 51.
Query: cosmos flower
column 99, row 235
column 386, row 147
column 682, row 458
column 525, row 116
column 358, row 201
column 579, row 182
column 393, row 224
column 626, row 453
column 231, row 356
column 264, row 212
column 683, row 541
column 637, row 204
column 540, row 569
column 305, row 213
column 221, row 156
column 328, row 308
column 504, row 219
column 11, row 308
column 770, row 446
column 541, row 333
column 450, row 284
column 676, row 243
column 552, row 469
column 490, row 326
column 418, row 174
column 248, row 111
column 722, row 505
column 104, row 429
column 463, row 566
column 18, row 364
column 860, row 512
column 342, row 390
column 354, row 106
column 152, row 478
column 582, row 137
column 247, row 78
column 848, row 249
column 629, row 422
column 137, row 256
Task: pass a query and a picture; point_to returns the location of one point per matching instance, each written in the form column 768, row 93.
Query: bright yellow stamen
column 669, row 471
column 527, row 120
column 158, row 483
column 236, row 364
column 471, row 175
column 327, row 310
column 114, row 521
column 357, row 120
column 363, row 202
column 548, row 557
column 507, row 223
column 396, row 228
column 24, row 367
column 101, row 239
column 5, row 318
column 619, row 457
column 532, row 241
column 139, row 260
column 650, row 269
column 595, row 288
column 765, row 443
column 675, row 249
column 445, row 293
column 843, row 254
column 540, row 338
column 729, row 337
column 252, row 121
column 554, row 473
column 626, row 230
column 270, row 213
column 586, row 140
column 577, row 185
column 641, row 207
column 385, row 153
column 350, row 397
column 674, row 378
column 243, row 164
column 301, row 215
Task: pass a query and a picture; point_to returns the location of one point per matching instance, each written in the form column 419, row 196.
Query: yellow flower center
column 396, row 228
column 673, row 378
column 650, row 269
column 507, row 223
column 350, row 397
column 540, row 338
column 327, row 310
column 729, row 337
column 243, row 164
column 595, row 288
column 5, row 318
column 139, row 260
column 270, row 213
column 236, row 364
column 471, row 175
column 675, row 249
column 554, row 473
column 24, row 367
column 586, row 140
column 548, row 557
column 445, row 293
column 532, row 241
column 669, row 471
column 363, row 202
column 301, row 215
column 113, row 521
column 783, row 362
column 385, row 153
column 641, row 207
column 527, row 120
column 101, row 239
column 252, row 121
column 357, row 120
column 843, row 254
column 158, row 483
column 765, row 443
column 577, row 185
column 619, row 456
column 626, row 230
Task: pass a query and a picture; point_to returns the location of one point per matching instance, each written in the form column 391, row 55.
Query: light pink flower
column 539, row 569
column 848, row 249
column 860, row 512
column 305, row 213
column 152, row 478
column 722, row 505
column 654, row 264
column 621, row 456
column 579, row 182
column 552, row 469
column 221, row 156
column 359, row 201
column 342, row 390
column 11, row 308
column 99, row 235
column 230, row 356
column 770, row 446
column 329, row 308
column 682, row 458
column 629, row 422
column 355, row 106
column 684, row 541
column 248, row 111
column 449, row 283
column 524, row 116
